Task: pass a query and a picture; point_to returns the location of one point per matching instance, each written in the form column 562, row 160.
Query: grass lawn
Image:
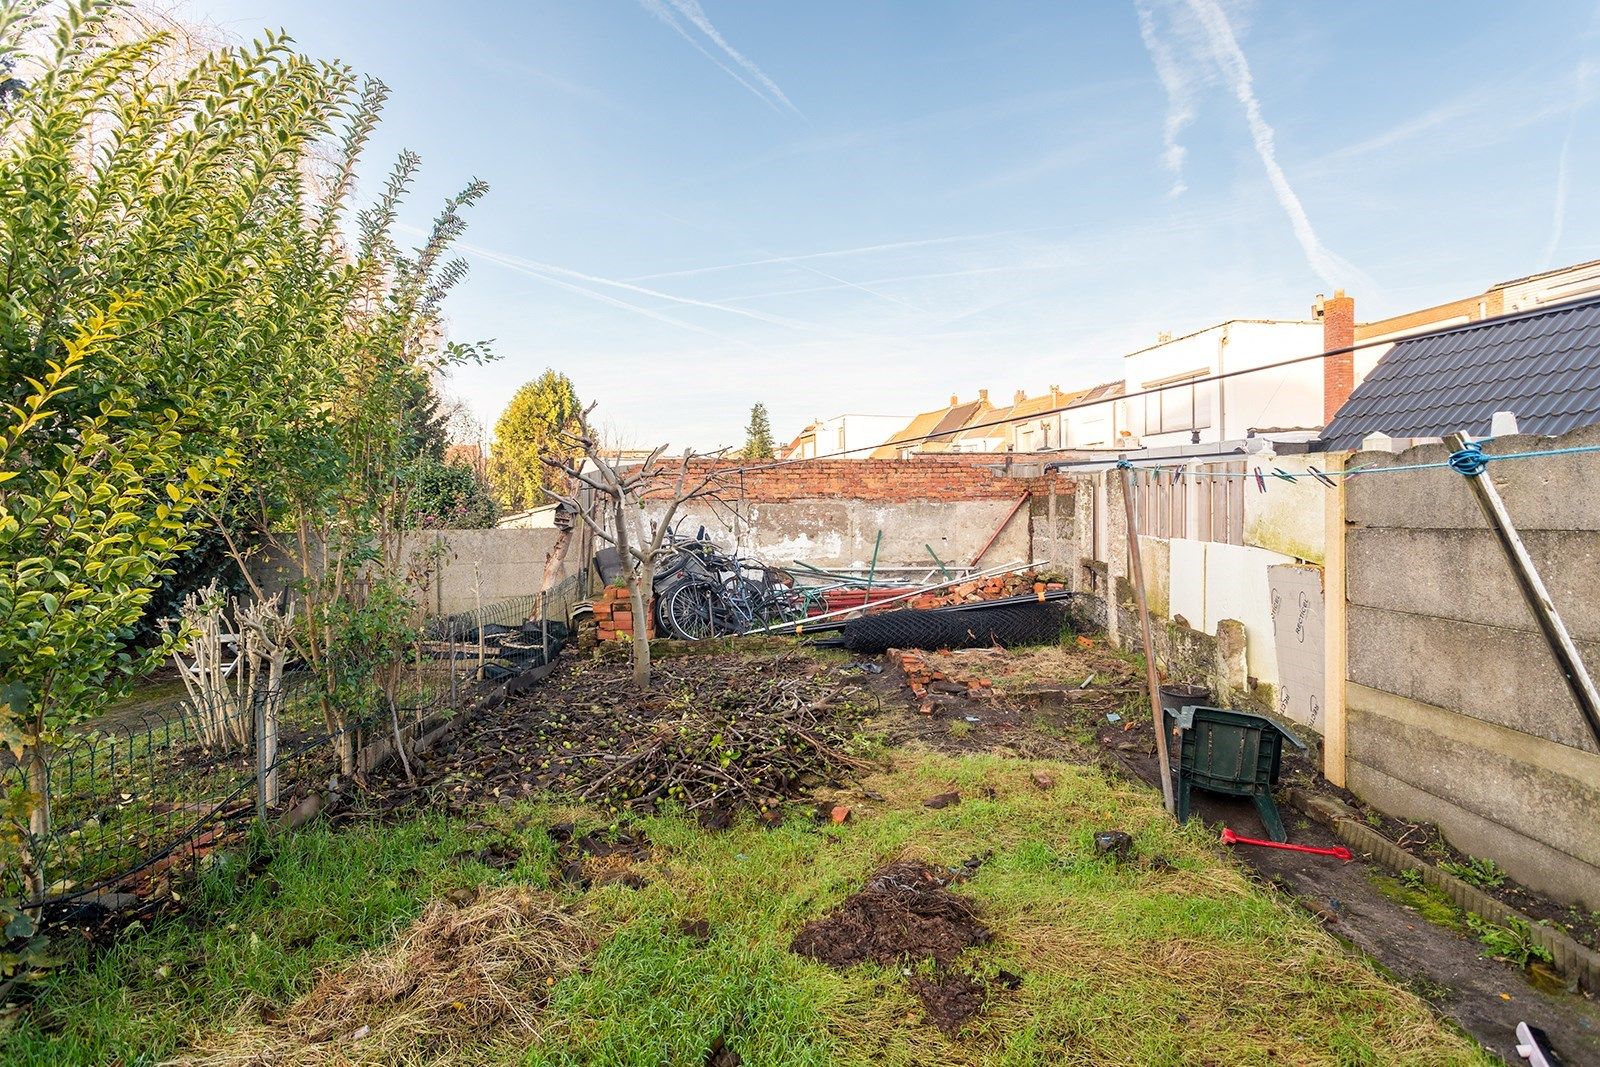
column 1171, row 957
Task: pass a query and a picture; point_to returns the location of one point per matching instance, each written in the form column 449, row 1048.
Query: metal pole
column 1152, row 679
column 872, row 572
column 1562, row 647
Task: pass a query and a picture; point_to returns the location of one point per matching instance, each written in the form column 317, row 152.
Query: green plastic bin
column 1233, row 753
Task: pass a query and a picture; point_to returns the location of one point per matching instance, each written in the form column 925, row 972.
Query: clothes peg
column 1321, row 477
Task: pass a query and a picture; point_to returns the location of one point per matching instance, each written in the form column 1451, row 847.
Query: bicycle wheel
column 690, row 612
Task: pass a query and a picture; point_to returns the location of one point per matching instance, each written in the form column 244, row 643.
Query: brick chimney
column 1021, row 395
column 983, row 396
column 1338, row 314
column 955, row 399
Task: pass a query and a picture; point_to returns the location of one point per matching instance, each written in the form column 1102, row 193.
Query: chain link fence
column 149, row 789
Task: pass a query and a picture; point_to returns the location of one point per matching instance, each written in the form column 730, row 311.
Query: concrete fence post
column 1335, row 665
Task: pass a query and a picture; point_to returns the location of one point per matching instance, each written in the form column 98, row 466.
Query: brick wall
column 952, row 477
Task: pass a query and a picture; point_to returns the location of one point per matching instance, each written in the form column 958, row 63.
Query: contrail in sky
column 1176, row 84
column 859, row 251
column 1236, row 70
column 691, row 10
column 551, row 271
column 1585, row 79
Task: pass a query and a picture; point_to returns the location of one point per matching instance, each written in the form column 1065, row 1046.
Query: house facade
column 1170, row 402
column 936, row 430
column 846, row 436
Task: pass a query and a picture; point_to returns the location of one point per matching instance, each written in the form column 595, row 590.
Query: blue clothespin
column 1285, row 475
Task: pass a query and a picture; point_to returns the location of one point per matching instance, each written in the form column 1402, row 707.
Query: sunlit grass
column 1170, row 958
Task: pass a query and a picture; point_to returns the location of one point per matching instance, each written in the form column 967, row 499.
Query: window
column 1177, row 407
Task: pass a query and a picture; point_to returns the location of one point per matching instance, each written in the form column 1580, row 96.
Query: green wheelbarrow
column 1233, row 753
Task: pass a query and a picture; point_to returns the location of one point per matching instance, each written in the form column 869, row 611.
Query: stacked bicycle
column 701, row 592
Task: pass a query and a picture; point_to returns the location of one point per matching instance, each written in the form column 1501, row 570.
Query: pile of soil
column 714, row 734
column 906, row 914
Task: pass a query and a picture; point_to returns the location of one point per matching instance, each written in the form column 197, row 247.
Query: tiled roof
column 915, row 429
column 954, row 419
column 1543, row 366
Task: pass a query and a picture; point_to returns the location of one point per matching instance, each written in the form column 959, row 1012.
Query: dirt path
column 1485, row 997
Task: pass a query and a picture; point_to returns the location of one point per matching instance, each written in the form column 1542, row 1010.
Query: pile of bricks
column 924, row 677
column 996, row 588
column 613, row 616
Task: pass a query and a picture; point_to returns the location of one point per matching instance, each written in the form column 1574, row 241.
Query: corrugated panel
column 1544, row 366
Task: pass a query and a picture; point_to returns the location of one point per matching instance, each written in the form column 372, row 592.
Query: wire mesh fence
column 130, row 798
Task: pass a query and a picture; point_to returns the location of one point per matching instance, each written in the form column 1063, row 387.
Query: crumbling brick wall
column 922, row 478
column 613, row 616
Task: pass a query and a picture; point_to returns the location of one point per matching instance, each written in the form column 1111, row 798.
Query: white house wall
column 1286, row 397
column 1278, row 398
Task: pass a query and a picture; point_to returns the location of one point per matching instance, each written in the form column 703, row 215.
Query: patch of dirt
column 716, row 733
column 599, row 858
column 948, row 999
column 907, row 914
column 904, row 913
column 1424, row 841
column 1039, row 705
column 1035, row 703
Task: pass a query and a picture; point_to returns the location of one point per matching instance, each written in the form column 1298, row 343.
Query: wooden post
column 1562, row 647
column 477, row 599
column 1335, row 638
column 1152, row 679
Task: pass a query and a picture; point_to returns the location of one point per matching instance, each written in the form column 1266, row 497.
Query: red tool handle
column 1338, row 852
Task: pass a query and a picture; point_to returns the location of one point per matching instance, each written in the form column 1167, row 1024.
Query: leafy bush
column 447, row 496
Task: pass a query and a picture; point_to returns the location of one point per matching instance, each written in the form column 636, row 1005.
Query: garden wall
column 1455, row 710
column 829, row 513
column 504, row 563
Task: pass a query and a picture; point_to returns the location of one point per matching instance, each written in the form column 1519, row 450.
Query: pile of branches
column 716, row 733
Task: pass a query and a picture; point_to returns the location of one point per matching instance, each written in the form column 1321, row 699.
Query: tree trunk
column 639, row 595
column 38, row 792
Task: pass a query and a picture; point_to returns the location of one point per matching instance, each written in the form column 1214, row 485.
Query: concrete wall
column 1456, row 712
column 1203, row 583
column 504, row 563
column 840, row 532
column 1289, row 517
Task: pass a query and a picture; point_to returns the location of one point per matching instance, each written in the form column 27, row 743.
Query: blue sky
column 864, row 207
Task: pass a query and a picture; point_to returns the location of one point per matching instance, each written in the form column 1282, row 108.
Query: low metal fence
column 132, row 796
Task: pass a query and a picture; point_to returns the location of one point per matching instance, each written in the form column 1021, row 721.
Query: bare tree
column 623, row 521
